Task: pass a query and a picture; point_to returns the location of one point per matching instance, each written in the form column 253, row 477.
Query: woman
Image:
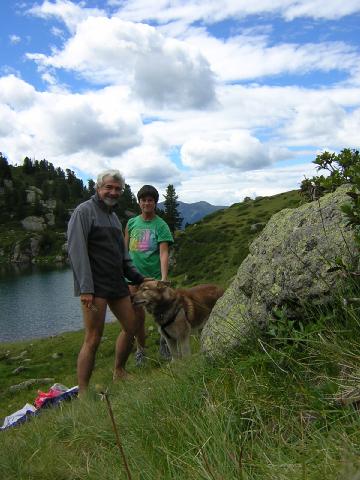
column 148, row 237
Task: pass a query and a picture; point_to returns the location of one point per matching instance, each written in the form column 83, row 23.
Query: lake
column 37, row 302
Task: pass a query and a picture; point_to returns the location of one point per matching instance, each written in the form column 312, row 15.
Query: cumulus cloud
column 81, row 127
column 64, row 124
column 149, row 164
column 16, row 93
column 7, row 117
column 162, row 71
column 317, row 122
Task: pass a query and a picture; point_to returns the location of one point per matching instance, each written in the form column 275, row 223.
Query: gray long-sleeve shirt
column 97, row 252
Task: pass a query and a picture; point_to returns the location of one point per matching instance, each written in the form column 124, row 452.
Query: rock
column 256, row 227
column 19, row 369
column 49, row 204
column 33, row 193
column 19, row 357
column 50, row 219
column 33, row 224
column 35, row 246
column 30, row 383
column 57, row 355
column 287, row 267
column 4, row 355
column 19, row 255
column 8, row 183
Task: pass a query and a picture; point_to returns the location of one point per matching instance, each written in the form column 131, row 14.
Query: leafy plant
column 343, row 168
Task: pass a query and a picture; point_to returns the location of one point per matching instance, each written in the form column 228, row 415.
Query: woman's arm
column 164, row 260
column 126, row 237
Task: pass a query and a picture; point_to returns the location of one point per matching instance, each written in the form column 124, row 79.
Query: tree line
column 67, row 190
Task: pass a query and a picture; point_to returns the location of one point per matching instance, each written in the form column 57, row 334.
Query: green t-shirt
column 144, row 239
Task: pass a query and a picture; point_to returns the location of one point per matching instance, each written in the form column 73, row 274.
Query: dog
column 177, row 312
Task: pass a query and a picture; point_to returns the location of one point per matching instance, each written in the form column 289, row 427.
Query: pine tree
column 127, row 206
column 5, row 172
column 172, row 215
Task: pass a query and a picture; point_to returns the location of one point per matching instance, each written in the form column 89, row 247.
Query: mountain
column 193, row 212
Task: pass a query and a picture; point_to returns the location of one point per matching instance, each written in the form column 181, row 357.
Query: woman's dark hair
column 148, row 191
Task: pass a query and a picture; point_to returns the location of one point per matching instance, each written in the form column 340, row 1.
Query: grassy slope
column 268, row 412
column 212, row 249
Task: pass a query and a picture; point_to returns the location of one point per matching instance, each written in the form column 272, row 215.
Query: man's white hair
column 114, row 174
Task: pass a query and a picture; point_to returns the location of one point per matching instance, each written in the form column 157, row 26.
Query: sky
column 224, row 99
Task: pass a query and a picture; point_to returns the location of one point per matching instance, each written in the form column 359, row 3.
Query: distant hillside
column 36, row 200
column 213, row 249
column 193, row 212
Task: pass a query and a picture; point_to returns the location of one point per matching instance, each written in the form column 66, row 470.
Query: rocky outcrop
column 287, row 267
column 21, row 254
column 34, row 224
column 33, row 194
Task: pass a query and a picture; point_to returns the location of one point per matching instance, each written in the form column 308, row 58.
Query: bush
column 342, row 168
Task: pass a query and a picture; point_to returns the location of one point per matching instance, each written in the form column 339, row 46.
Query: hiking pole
column 117, row 436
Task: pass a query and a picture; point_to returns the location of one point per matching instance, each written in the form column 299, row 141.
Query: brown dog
column 178, row 311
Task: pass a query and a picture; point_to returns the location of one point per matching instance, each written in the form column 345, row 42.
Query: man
column 100, row 262
column 148, row 237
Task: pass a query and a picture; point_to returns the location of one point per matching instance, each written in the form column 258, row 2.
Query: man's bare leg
column 124, row 312
column 94, row 327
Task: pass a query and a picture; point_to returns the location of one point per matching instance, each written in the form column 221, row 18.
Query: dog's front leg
column 184, row 346
column 173, row 347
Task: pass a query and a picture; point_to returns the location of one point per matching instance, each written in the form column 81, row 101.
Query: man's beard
column 110, row 202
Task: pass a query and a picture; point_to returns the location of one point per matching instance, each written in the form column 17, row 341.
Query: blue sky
column 224, row 99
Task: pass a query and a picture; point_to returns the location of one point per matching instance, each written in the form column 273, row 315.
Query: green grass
column 271, row 411
column 213, row 248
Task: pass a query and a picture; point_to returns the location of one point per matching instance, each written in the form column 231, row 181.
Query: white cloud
column 149, row 164
column 162, row 71
column 237, row 149
column 7, row 117
column 317, row 122
column 213, row 11
column 256, row 58
column 16, row 93
column 14, row 39
column 69, row 12
column 228, row 187
column 58, row 32
column 331, row 10
column 64, row 125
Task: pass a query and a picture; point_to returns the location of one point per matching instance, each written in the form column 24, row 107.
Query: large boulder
column 288, row 266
